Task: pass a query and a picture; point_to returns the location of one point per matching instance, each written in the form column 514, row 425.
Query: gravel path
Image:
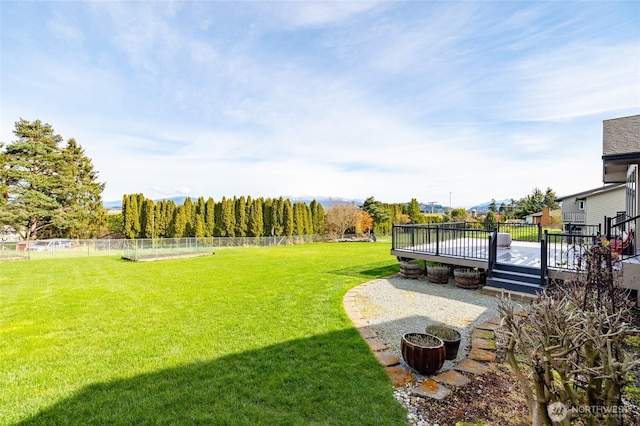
column 394, row 306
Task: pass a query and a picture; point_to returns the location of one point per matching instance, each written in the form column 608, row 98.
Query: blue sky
column 454, row 102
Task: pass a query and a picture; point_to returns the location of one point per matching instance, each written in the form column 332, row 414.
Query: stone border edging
column 483, row 352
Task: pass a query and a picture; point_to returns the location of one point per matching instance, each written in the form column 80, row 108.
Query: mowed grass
column 246, row 336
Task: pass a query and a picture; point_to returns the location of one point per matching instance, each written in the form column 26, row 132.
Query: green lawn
column 247, row 336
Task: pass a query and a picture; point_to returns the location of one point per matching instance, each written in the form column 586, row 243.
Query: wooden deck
column 464, row 245
column 474, row 253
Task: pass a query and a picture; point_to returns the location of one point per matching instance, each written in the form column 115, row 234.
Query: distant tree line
column 230, row 217
column 529, row 204
column 245, row 216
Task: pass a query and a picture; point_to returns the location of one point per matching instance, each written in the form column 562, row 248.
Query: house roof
column 595, row 191
column 539, row 214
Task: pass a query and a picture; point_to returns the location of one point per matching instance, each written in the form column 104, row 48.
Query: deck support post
column 493, row 250
column 543, row 259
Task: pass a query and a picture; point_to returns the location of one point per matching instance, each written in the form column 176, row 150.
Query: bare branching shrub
column 567, row 348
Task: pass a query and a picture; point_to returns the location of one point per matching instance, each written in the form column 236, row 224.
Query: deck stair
column 509, row 277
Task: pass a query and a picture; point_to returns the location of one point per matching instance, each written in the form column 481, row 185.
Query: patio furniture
column 504, row 240
column 623, row 245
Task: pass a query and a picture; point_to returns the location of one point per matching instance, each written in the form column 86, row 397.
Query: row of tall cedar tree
column 230, row 217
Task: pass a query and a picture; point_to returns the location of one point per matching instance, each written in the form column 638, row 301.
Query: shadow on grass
column 328, row 379
column 370, row 270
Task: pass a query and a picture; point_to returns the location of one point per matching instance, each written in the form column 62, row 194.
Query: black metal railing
column 477, row 241
column 493, row 251
column 443, row 239
column 521, row 231
column 564, row 251
column 582, row 229
column 414, row 234
column 544, row 262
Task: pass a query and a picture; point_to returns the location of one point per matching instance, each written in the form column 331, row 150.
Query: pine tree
column 147, row 219
column 135, row 216
column 217, row 219
column 298, row 218
column 198, row 218
column 45, row 187
column 83, row 215
column 287, row 218
column 267, row 217
column 241, row 216
column 179, row 222
column 256, row 223
column 414, row 212
column 378, row 212
column 209, row 217
column 168, row 215
column 278, row 217
column 159, row 222
column 490, row 221
column 189, row 226
column 199, row 226
column 227, row 218
column 127, row 217
column 319, row 220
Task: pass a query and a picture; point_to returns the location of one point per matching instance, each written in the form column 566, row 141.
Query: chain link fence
column 148, row 248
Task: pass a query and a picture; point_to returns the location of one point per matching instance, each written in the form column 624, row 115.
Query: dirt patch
column 492, row 398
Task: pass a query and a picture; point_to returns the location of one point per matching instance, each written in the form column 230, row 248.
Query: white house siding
column 570, row 206
column 604, row 204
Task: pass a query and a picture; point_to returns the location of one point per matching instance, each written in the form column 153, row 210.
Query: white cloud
column 319, row 13
column 577, row 80
column 349, row 99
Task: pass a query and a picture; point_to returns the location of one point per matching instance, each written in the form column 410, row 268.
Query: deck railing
column 478, row 241
column 442, row 239
column 531, row 232
column 582, row 229
column 574, row 217
column 565, row 251
column 467, row 240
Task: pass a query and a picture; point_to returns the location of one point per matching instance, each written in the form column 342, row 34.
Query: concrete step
column 516, row 276
column 514, row 295
column 514, row 285
column 517, row 268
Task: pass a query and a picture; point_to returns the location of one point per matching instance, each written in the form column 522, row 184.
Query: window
column 581, row 205
column 632, row 175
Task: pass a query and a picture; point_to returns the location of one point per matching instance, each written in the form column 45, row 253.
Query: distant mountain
column 109, row 205
column 324, row 200
column 432, row 208
column 485, row 206
column 116, row 205
column 327, row 201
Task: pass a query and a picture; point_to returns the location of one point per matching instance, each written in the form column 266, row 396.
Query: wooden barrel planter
column 451, row 338
column 467, row 278
column 438, row 274
column 410, row 270
column 425, row 353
